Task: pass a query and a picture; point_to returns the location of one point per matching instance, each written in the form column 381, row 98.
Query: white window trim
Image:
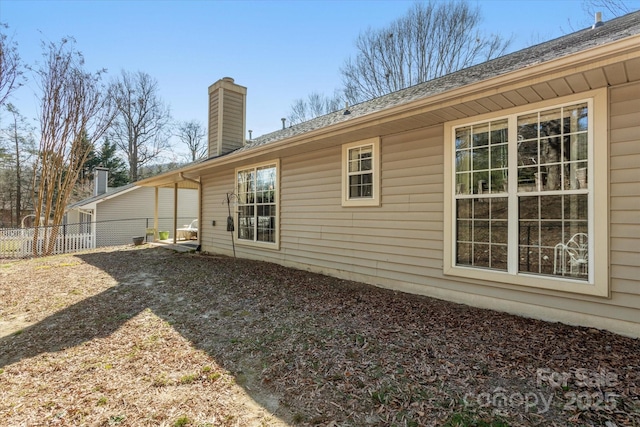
column 598, row 282
column 375, row 200
column 257, row 244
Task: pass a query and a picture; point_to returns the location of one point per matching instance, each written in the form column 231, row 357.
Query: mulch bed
column 144, row 336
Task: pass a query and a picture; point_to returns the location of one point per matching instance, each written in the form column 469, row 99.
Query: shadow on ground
column 188, row 292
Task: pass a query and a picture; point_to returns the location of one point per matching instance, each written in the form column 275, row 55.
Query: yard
column 137, row 336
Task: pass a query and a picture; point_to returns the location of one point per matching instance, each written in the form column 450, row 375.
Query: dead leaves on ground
column 150, row 337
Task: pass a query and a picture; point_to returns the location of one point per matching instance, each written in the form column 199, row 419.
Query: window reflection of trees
column 257, row 204
column 552, row 157
column 552, row 149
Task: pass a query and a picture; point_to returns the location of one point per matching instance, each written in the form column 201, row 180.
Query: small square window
column 361, row 173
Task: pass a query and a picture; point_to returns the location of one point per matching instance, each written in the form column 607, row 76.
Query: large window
column 257, row 197
column 361, row 173
column 522, row 197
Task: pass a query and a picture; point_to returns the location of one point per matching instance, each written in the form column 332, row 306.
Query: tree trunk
column 18, row 179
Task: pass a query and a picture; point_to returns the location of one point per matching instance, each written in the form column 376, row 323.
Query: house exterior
column 512, row 185
column 114, row 215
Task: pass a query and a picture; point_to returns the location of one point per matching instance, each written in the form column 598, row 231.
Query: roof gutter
column 184, row 178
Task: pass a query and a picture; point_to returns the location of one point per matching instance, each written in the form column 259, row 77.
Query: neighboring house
column 512, row 185
column 115, row 215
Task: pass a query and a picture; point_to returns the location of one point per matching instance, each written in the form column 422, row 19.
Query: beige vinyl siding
column 118, row 218
column 127, row 205
column 216, row 239
column 233, row 129
column 625, row 192
column 383, row 243
column 140, row 202
column 213, row 122
column 73, row 216
column 400, row 243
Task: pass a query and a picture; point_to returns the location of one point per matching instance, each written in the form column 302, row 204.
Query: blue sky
column 279, row 50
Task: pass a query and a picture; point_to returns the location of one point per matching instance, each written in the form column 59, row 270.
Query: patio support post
column 175, row 212
column 155, row 216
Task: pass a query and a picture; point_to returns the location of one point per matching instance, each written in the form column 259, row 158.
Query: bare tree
column 315, row 105
column 19, row 136
column 192, row 134
column 142, row 125
column 73, row 106
column 609, row 9
column 433, row 39
column 613, row 7
column 11, row 73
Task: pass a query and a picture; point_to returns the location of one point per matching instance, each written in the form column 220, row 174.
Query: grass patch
column 383, row 395
column 116, row 419
column 182, row 421
column 160, row 381
column 211, row 376
column 68, row 264
column 188, row 379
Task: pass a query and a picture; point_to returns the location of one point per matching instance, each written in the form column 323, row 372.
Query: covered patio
column 184, row 235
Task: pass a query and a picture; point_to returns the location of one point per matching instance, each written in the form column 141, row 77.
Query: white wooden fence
column 18, row 242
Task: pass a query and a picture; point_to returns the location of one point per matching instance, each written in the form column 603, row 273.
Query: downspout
column 184, row 178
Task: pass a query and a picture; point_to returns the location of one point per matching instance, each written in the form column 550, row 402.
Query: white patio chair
column 572, row 256
column 188, row 231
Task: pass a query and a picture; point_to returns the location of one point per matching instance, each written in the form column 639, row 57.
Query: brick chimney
column 227, row 116
column 100, row 180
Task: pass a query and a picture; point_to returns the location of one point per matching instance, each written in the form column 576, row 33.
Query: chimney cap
column 100, row 180
column 598, row 20
column 227, row 79
column 346, row 109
